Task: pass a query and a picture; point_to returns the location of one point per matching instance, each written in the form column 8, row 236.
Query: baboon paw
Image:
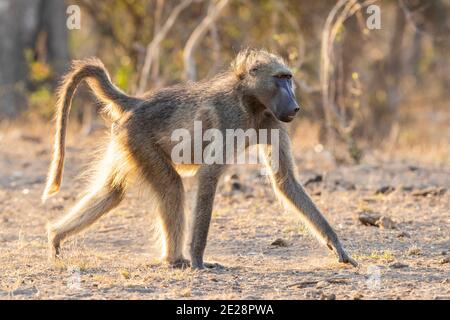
column 54, row 250
column 206, row 265
column 342, row 256
column 197, row 266
column 54, row 253
column 213, row 265
column 345, row 258
column 349, row 260
column 179, row 263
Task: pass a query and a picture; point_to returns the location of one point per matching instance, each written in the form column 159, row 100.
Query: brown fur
column 141, row 146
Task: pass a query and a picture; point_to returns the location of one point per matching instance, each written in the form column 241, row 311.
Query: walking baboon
column 256, row 92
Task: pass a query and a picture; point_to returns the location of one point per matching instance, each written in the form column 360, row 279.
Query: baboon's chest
column 187, row 170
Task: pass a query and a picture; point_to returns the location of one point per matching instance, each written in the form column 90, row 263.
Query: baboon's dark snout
column 293, row 109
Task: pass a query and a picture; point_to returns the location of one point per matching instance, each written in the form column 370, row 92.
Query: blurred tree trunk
column 21, row 22
column 387, row 77
column 53, row 20
column 395, row 62
column 18, row 21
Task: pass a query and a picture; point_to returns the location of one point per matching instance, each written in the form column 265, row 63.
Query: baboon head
column 266, row 77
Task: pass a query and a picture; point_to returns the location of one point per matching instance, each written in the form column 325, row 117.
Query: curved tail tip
column 49, row 191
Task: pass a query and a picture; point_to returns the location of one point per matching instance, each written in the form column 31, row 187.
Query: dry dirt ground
column 117, row 259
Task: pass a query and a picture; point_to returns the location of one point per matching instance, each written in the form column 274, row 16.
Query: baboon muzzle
column 286, row 105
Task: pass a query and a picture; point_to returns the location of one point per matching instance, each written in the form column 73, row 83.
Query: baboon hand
column 343, row 257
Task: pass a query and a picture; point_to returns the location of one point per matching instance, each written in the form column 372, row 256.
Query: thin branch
column 194, row 39
column 157, row 41
column 216, row 46
column 156, row 30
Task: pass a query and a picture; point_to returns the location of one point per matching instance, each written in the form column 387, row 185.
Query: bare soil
column 117, row 258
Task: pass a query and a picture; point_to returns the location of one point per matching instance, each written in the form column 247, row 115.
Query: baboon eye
column 283, row 76
column 253, row 70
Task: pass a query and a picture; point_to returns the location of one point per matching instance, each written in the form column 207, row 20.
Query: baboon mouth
column 289, row 118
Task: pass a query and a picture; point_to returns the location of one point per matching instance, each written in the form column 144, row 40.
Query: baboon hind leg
column 169, row 190
column 89, row 209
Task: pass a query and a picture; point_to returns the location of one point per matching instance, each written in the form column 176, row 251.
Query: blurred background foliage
column 361, row 87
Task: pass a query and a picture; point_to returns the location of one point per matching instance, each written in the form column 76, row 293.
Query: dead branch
column 216, row 46
column 154, row 44
column 156, row 30
column 190, row 71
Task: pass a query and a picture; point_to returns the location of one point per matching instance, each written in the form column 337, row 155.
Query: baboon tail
column 93, row 71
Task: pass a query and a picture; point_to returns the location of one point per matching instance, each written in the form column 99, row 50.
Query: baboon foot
column 54, row 246
column 179, row 263
column 199, row 264
column 213, row 265
column 54, row 251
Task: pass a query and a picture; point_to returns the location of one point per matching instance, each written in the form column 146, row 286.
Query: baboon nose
column 295, row 110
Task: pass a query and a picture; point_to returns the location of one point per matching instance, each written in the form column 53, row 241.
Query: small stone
column 322, row 284
column 429, row 192
column 385, row 223
column 444, row 260
column 398, row 265
column 345, row 185
column 325, row 296
column 368, row 218
column 384, row 190
column 280, row 243
column 403, row 234
column 313, row 294
column 358, row 296
column 414, row 251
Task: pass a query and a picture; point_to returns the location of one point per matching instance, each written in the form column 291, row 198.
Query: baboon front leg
column 286, row 185
column 89, row 209
column 208, row 177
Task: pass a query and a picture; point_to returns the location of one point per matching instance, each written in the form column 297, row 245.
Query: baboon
column 257, row 91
